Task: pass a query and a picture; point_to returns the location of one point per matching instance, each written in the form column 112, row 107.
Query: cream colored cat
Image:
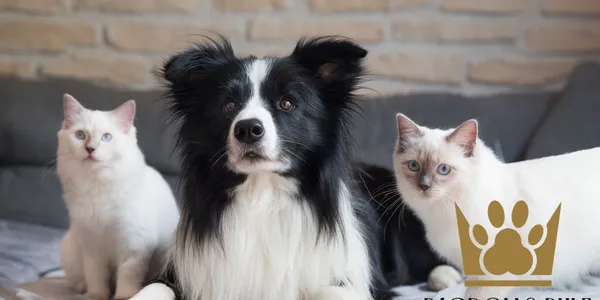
column 122, row 212
column 437, row 168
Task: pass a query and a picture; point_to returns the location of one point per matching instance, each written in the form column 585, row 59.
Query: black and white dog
column 271, row 210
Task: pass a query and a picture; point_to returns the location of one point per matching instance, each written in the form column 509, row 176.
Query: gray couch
column 33, row 216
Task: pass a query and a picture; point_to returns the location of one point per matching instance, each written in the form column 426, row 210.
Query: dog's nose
column 89, row 150
column 249, row 131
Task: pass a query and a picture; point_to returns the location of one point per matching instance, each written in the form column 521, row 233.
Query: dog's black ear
column 196, row 62
column 331, row 59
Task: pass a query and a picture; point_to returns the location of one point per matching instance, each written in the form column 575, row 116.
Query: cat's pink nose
column 89, row 150
column 424, row 187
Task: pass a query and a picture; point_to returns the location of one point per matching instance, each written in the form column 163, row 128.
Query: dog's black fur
column 407, row 257
column 320, row 77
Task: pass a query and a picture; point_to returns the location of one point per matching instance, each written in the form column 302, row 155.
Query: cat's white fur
column 122, row 212
column 570, row 179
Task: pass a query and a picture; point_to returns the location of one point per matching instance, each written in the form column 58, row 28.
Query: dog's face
column 262, row 115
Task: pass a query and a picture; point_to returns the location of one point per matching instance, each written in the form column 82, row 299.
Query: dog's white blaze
column 256, row 108
column 270, row 251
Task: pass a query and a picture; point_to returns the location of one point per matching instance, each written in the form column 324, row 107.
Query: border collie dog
column 270, row 211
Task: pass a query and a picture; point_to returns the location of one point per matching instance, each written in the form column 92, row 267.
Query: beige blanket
column 45, row 289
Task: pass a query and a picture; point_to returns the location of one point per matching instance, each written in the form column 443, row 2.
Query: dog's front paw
column 155, row 291
column 442, row 277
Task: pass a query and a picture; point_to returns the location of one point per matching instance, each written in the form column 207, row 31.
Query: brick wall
column 471, row 46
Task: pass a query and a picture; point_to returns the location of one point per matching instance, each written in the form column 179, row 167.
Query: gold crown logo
column 506, row 253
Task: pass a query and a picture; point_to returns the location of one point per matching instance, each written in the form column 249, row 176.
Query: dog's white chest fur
column 270, row 249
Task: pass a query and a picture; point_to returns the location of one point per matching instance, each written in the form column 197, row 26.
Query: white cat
column 437, row 168
column 122, row 212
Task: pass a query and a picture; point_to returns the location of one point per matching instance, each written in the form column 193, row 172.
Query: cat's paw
column 79, row 287
column 155, row 291
column 336, row 293
column 487, row 292
column 442, row 277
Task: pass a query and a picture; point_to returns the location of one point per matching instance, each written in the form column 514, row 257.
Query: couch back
column 30, row 117
column 31, row 114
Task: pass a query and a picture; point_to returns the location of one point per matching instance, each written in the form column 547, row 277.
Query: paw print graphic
column 507, row 254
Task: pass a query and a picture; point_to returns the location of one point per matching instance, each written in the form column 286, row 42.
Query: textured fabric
column 574, row 122
column 27, row 252
column 56, row 288
column 588, row 288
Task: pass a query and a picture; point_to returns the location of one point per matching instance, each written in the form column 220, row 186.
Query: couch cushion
column 30, row 116
column 573, row 122
column 506, row 121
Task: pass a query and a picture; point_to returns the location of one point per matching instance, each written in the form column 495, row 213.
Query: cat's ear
column 125, row 114
column 71, row 109
column 406, row 127
column 465, row 136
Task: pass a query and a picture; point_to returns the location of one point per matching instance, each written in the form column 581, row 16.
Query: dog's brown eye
column 286, row 103
column 229, row 106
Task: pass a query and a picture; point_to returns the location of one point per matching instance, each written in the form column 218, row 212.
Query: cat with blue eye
column 439, row 169
column 425, row 175
column 122, row 212
column 81, row 135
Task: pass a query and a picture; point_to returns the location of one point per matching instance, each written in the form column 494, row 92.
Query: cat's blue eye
column 106, row 137
column 80, row 135
column 444, row 169
column 414, row 166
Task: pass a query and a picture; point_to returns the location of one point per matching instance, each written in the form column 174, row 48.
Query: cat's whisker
column 385, row 187
column 402, row 214
column 386, row 211
column 398, row 206
column 371, row 198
